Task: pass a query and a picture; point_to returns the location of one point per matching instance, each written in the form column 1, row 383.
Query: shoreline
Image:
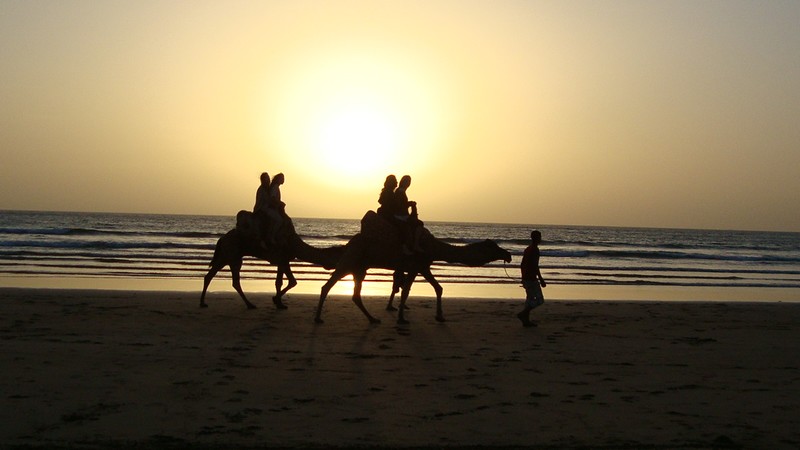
column 222, row 284
column 110, row 368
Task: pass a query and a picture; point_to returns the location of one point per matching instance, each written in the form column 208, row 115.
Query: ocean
column 143, row 251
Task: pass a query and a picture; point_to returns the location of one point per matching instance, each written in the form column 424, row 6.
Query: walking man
column 532, row 279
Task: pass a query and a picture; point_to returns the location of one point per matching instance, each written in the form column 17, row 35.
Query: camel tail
column 216, row 257
column 219, row 259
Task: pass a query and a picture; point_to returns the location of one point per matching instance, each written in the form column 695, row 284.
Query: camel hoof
column 203, row 305
column 374, row 321
column 391, row 308
column 278, row 303
column 440, row 319
column 317, row 320
column 403, row 322
column 251, row 306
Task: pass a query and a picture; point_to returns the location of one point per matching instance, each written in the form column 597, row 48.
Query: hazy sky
column 620, row 113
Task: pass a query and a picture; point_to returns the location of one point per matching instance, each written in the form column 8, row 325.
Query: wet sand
column 90, row 368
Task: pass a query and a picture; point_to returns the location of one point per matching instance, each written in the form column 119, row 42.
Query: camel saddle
column 375, row 226
column 247, row 225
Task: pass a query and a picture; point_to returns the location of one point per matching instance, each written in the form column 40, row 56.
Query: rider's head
column 390, row 183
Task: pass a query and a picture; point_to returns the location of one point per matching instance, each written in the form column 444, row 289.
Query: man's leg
column 524, row 315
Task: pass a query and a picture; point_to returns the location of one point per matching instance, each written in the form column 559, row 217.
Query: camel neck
column 474, row 254
column 325, row 257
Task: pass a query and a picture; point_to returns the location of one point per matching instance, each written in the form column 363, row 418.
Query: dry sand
column 123, row 368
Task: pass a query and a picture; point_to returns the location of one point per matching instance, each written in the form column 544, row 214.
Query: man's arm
column 541, row 279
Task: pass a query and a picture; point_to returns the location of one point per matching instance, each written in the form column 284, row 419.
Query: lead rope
column 509, row 276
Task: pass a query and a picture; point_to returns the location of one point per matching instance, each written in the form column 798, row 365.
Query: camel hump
column 368, row 219
column 374, row 226
column 245, row 222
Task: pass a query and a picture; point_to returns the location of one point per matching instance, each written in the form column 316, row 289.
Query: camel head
column 495, row 251
column 480, row 253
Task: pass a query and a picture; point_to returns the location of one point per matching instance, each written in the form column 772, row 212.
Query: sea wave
column 664, row 255
column 105, row 244
column 101, row 232
column 109, row 245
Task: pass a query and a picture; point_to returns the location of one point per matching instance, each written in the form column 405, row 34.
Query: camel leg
column 237, row 284
column 397, row 280
column 276, row 299
column 358, row 280
column 212, row 272
column 292, row 280
column 335, row 277
column 409, row 280
column 438, row 289
column 279, row 293
column 278, row 285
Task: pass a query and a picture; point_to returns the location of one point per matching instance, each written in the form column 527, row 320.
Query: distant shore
column 110, row 368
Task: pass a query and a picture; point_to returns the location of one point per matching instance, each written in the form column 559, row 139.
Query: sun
column 357, row 137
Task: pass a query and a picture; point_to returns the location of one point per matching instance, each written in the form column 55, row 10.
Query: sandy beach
column 92, row 368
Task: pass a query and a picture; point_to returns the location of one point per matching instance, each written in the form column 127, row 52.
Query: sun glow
column 354, row 116
column 355, row 137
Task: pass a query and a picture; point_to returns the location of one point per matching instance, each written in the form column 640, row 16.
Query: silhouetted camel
column 244, row 240
column 378, row 246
